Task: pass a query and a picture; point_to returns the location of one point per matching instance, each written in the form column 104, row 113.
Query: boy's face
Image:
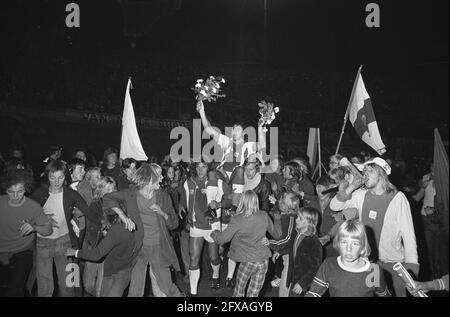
column 349, row 249
column 202, row 170
column 250, row 170
column 171, row 173
column 16, row 193
column 78, row 173
column 112, row 158
column 56, row 179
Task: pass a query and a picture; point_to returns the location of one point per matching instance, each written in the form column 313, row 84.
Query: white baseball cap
column 377, row 160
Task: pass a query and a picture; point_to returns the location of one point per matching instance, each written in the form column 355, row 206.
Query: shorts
column 205, row 234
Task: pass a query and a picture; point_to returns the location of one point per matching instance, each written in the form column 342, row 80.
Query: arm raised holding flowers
column 209, row 90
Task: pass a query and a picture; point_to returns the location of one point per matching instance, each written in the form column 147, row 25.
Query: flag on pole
column 363, row 119
column 440, row 176
column 130, row 146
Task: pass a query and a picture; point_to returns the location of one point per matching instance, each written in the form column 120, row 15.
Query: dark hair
column 15, row 177
column 54, row 149
column 126, row 163
column 295, row 169
column 76, row 150
column 303, row 163
column 194, row 166
column 55, row 166
column 72, row 164
column 108, row 152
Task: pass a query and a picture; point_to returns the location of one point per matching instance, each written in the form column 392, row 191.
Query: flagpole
column 348, row 108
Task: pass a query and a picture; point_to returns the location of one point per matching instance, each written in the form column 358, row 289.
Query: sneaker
column 276, row 282
column 215, row 283
column 189, row 294
column 229, row 283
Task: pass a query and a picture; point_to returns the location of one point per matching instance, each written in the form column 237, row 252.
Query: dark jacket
column 71, row 199
column 117, row 246
column 263, row 190
column 308, row 259
column 127, row 201
column 281, row 245
column 93, row 228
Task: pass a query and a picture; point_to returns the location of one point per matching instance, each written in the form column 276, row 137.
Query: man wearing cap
column 387, row 216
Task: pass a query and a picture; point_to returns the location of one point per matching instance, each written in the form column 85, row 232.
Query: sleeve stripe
column 441, row 284
column 314, row 294
column 288, row 236
column 321, row 283
column 384, row 293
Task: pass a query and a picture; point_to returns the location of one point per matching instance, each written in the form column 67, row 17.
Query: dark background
column 302, row 54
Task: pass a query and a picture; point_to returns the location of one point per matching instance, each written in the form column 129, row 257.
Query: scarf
column 250, row 184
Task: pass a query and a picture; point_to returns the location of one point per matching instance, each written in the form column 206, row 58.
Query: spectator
column 20, row 219
column 246, row 231
column 387, row 215
column 347, row 274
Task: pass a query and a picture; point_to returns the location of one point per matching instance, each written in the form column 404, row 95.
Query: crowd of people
column 103, row 226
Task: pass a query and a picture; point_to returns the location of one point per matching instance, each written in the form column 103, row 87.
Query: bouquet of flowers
column 209, row 89
column 267, row 112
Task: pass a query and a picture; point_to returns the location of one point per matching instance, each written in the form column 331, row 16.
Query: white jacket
column 397, row 239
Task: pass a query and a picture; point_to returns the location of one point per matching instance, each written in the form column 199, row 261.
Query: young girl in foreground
column 246, row 230
column 350, row 274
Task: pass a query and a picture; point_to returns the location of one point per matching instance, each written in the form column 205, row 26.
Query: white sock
column 231, row 268
column 194, row 276
column 216, row 269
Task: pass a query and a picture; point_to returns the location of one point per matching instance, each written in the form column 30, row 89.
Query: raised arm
column 205, row 122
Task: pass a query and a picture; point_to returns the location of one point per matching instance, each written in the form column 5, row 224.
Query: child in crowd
column 350, row 274
column 245, row 231
column 304, row 253
column 287, row 207
column 118, row 248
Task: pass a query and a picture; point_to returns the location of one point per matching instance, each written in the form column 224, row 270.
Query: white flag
column 363, row 119
column 130, row 146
